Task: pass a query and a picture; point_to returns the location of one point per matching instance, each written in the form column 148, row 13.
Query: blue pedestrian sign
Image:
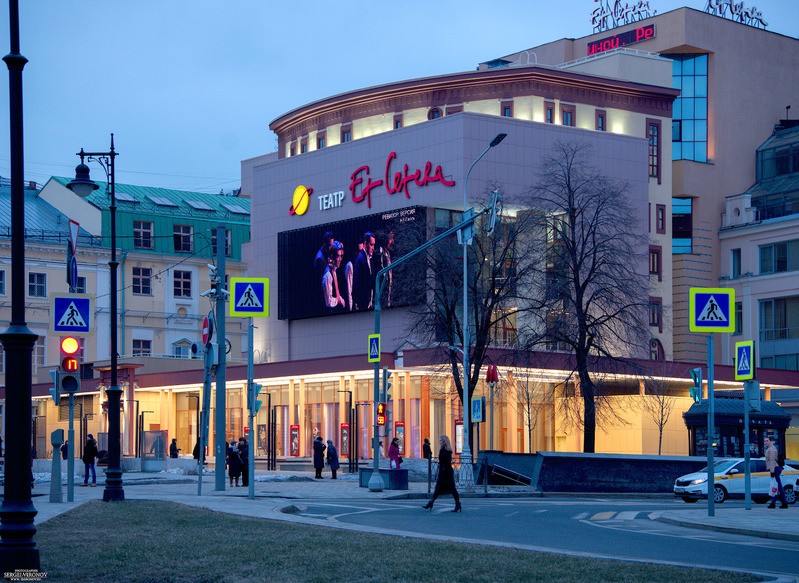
column 71, row 314
column 374, row 348
column 710, row 309
column 249, row 297
column 745, row 360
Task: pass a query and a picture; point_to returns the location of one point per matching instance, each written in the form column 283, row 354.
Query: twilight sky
column 189, row 87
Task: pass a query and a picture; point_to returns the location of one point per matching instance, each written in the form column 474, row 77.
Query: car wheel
column 790, row 495
column 689, row 499
column 760, row 499
column 719, row 494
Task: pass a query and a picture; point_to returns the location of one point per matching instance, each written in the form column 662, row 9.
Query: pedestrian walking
column 332, row 458
column 774, row 463
column 65, row 450
column 196, row 451
column 394, row 459
column 318, row 456
column 233, row 463
column 427, row 453
column 173, row 449
column 244, row 454
column 89, row 455
column 445, row 484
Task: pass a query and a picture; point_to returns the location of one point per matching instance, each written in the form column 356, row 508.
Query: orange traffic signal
column 381, row 413
column 70, row 365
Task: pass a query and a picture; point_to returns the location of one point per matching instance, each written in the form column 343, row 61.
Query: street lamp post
column 83, row 186
column 466, row 475
column 18, row 550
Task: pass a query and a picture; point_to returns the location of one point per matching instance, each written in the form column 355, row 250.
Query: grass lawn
column 160, row 541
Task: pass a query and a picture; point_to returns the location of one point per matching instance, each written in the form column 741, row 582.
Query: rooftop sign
column 735, row 10
column 617, row 13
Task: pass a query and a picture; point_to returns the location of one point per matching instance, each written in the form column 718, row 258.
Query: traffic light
column 386, row 383
column 696, row 390
column 381, row 413
column 254, row 403
column 55, row 391
column 69, row 375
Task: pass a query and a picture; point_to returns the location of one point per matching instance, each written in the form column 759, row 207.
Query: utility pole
column 220, row 445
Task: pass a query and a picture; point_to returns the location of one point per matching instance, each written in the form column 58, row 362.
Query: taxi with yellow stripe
column 730, row 482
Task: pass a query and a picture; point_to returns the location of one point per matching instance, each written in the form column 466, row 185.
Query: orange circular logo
column 300, row 200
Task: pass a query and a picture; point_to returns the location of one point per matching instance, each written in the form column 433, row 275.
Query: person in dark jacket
column 89, row 455
column 394, row 459
column 244, row 454
column 233, row 463
column 65, row 450
column 445, row 484
column 318, row 456
column 332, row 458
column 427, row 451
column 196, row 451
column 173, row 449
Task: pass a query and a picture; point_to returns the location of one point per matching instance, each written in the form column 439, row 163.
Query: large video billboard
column 331, row 268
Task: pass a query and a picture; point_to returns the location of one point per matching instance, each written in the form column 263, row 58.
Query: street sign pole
column 748, row 470
column 711, row 430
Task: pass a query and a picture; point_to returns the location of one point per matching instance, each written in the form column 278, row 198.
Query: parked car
column 730, row 482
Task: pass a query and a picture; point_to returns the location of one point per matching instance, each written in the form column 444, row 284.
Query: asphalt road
column 612, row 528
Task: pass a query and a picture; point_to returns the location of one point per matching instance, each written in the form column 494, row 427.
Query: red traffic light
column 69, row 345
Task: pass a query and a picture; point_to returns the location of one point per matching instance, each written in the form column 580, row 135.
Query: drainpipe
column 122, row 287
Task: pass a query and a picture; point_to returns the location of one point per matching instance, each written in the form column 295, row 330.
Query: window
column 182, row 284
column 227, row 242
column 181, row 349
column 601, row 120
column 778, row 319
column 183, row 238
column 397, row 121
column 656, row 313
column 434, row 113
column 779, row 257
column 660, row 219
column 782, row 362
column 142, row 347
column 506, row 109
column 549, row 112
column 779, row 161
column 142, row 281
column 320, row 140
column 735, row 263
column 304, row 146
column 689, row 112
column 142, row 234
column 80, row 287
column 653, row 135
column 567, row 115
column 2, row 282
column 293, row 150
column 346, row 133
column 38, row 353
column 681, row 225
column 2, row 359
column 656, row 351
column 739, row 318
column 454, row 109
column 37, row 285
column 656, row 261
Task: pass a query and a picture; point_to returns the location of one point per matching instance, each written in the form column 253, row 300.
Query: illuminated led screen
column 317, row 279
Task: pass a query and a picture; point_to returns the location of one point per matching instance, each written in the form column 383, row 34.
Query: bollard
column 56, row 439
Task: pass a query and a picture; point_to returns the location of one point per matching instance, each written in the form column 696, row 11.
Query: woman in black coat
column 445, row 483
column 318, row 456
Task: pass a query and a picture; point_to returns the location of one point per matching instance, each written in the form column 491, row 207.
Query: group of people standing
column 319, row 457
column 352, row 287
column 237, row 461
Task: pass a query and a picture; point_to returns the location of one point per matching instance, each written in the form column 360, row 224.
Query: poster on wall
column 330, row 268
column 458, row 436
column 261, row 433
column 294, row 437
column 345, row 440
column 399, row 433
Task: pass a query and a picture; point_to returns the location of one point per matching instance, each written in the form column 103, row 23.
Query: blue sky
column 190, row 87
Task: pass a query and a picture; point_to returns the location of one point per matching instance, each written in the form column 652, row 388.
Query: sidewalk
column 275, row 490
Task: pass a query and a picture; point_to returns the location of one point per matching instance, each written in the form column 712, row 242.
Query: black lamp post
column 18, row 550
column 83, row 186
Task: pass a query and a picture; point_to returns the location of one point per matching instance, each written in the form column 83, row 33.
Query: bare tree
column 589, row 292
column 658, row 404
column 497, row 263
column 529, row 401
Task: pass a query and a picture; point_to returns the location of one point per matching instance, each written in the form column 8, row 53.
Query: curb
column 728, row 529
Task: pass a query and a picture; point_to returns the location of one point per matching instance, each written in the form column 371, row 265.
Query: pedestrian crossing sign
column 710, row 309
column 71, row 314
column 249, row 297
column 744, row 360
column 374, row 348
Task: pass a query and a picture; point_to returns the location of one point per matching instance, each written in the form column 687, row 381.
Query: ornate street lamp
column 83, row 186
column 18, row 550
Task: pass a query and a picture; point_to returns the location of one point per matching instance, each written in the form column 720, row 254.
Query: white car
column 730, row 483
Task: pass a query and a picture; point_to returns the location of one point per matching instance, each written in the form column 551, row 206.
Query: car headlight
column 698, row 481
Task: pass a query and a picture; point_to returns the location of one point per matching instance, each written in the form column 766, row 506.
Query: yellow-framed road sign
column 745, row 360
column 249, row 297
column 711, row 309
